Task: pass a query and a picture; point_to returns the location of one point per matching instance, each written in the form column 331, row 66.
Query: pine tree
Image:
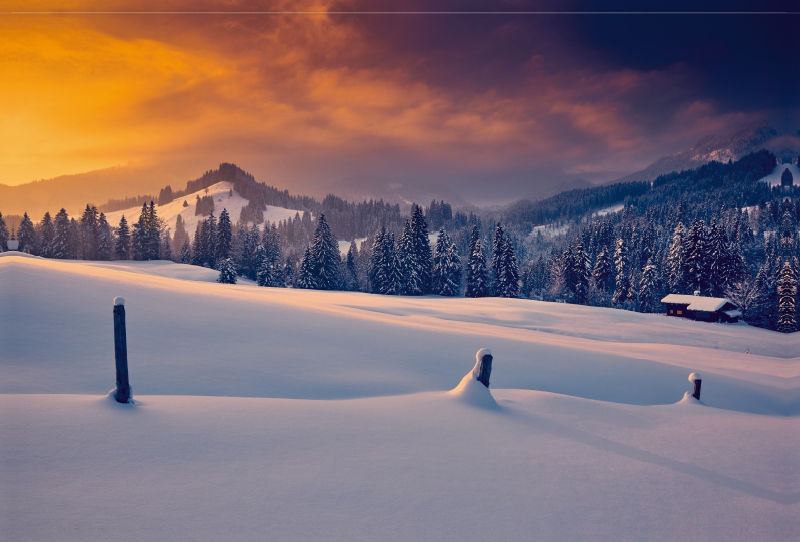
column 89, row 233
column 3, row 234
column 227, row 272
column 650, row 290
column 224, row 236
column 602, row 278
column 47, row 233
column 477, row 277
column 394, row 268
column 181, row 236
column 105, row 239
column 288, row 272
column 762, row 300
column 62, row 248
column 446, row 279
column 122, row 248
column 166, row 246
column 352, row 271
column 695, row 266
column 378, row 265
column 581, row 275
column 140, row 243
column 623, row 287
column 675, row 261
column 74, row 238
column 787, row 299
column 421, row 248
column 504, row 265
column 411, row 280
column 26, row 235
column 325, row 257
column 186, row 253
column 305, row 275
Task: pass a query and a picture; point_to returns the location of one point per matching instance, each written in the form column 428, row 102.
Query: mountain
column 73, row 192
column 722, row 148
column 402, row 193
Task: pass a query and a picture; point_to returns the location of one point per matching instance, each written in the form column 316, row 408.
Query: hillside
column 225, row 197
column 722, row 148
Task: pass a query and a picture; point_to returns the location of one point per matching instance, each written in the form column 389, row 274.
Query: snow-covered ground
column 609, row 210
column 774, row 178
column 286, row 414
column 223, row 199
column 548, row 230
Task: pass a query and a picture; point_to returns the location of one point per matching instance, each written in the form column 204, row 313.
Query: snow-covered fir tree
column 410, row 266
column 352, row 271
column 62, row 248
column 787, row 299
column 695, row 264
column 90, row 235
column 224, row 236
column 227, row 271
column 675, row 261
column 622, row 290
column 45, row 236
column 325, row 257
column 421, row 248
column 650, row 288
column 446, row 279
column 26, row 235
column 602, row 284
column 477, row 284
column 504, row 265
column 105, row 239
column 3, row 234
column 305, row 275
column 122, row 246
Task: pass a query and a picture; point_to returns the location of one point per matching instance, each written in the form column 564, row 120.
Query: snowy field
column 774, row 178
column 223, row 199
column 279, row 414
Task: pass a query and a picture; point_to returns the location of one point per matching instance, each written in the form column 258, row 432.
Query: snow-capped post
column 123, row 392
column 483, row 367
column 697, row 381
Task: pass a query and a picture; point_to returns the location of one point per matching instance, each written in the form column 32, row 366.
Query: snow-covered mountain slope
column 716, row 147
column 223, row 199
column 774, row 178
column 289, row 414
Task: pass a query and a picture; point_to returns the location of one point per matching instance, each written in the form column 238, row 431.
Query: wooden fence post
column 123, row 392
column 697, row 380
column 484, row 366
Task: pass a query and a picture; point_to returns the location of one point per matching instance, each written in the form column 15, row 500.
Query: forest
column 716, row 230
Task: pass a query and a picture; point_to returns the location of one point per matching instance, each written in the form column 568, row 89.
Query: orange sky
column 292, row 97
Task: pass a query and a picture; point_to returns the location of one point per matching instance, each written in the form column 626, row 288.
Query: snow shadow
column 608, row 445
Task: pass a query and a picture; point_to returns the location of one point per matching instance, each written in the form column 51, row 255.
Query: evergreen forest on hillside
column 716, row 230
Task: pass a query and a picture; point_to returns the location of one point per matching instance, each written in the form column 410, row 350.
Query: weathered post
column 697, row 380
column 123, row 391
column 483, row 369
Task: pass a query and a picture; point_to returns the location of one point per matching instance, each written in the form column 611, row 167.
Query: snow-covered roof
column 697, row 302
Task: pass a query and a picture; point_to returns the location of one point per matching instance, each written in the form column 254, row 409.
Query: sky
column 489, row 104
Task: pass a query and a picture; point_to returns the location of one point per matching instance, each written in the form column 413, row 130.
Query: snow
column 774, row 178
column 119, row 301
column 698, row 303
column 222, row 200
column 344, row 246
column 266, row 413
column 548, row 230
column 609, row 210
column 695, row 376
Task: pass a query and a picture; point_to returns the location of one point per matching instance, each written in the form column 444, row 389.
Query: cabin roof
column 697, row 302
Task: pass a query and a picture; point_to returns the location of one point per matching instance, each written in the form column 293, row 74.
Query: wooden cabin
column 706, row 309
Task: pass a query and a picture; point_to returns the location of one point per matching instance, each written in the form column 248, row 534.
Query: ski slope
column 223, row 199
column 774, row 178
column 287, row 414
